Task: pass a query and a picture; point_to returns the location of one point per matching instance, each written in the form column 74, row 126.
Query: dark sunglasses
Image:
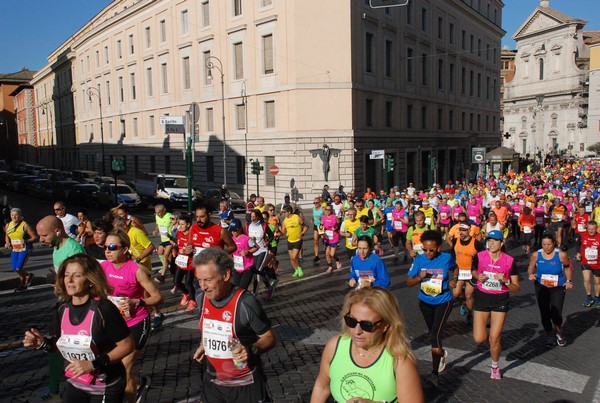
column 429, row 250
column 112, row 247
column 364, row 324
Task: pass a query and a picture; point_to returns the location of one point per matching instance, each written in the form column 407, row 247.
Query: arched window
column 554, row 120
column 541, row 69
column 524, row 123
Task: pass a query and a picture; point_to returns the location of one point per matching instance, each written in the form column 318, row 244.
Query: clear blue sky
column 32, row 29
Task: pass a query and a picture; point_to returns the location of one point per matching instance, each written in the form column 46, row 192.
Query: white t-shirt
column 70, row 222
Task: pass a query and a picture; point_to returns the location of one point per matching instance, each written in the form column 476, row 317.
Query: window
column 151, row 126
column 479, row 85
column 471, row 82
column 107, row 95
column 478, row 122
column 97, row 58
column 451, row 119
column 205, row 7
column 487, row 52
column 167, row 164
column 267, row 42
column 369, row 52
column 471, row 121
column 424, row 117
column 238, row 57
column 463, row 121
column 121, row 93
column 131, row 47
column 106, row 55
column 135, row 127
column 524, row 145
column 439, row 118
column 487, row 88
column 240, row 115
column 409, row 64
column 479, row 47
column 184, row 22
column 162, row 26
column 541, row 69
column 110, row 129
column 240, row 169
column 207, row 77
column 388, row 114
column 554, row 120
column 185, row 65
column 472, row 44
column 149, row 88
column 270, row 114
column 487, row 123
column 451, row 34
column 388, row 58
column 464, row 39
column 424, row 19
column 164, row 75
column 265, row 3
column 440, row 74
column 209, row 120
column 451, row 78
column 148, row 37
column 237, row 7
column 424, row 68
column 132, row 85
column 152, row 163
column 122, row 128
column 409, row 115
column 369, row 112
column 210, row 168
column 119, row 50
column 440, row 28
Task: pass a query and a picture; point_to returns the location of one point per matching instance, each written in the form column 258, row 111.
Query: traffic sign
column 274, row 170
column 377, row 154
column 172, row 120
column 171, row 128
column 478, row 155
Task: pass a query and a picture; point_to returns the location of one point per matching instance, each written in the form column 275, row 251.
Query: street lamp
column 210, row 65
column 95, row 91
column 245, row 103
column 45, row 109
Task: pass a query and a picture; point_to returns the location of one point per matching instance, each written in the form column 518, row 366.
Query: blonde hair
column 386, row 305
column 92, row 271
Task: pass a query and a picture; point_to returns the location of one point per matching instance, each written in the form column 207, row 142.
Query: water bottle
column 233, row 345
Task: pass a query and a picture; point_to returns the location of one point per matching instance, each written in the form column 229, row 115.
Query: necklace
column 368, row 354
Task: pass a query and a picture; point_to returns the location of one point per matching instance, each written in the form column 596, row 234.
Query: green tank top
column 376, row 382
column 164, row 226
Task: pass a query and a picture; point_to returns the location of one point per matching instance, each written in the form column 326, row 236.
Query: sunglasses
column 364, row 324
column 112, row 247
column 429, row 250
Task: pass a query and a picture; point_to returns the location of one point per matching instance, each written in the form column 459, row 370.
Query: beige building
column 310, row 86
column 593, row 127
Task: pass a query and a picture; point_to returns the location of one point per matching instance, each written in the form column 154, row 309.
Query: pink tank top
column 125, row 284
column 491, row 268
column 329, row 225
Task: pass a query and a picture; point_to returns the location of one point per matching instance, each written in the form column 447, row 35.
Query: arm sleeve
column 513, row 269
column 253, row 315
column 475, row 265
column 383, row 278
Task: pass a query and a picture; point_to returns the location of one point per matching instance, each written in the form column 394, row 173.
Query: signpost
column 274, row 170
column 478, row 157
column 172, row 120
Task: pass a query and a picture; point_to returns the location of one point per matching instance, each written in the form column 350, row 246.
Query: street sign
column 478, row 155
column 172, row 120
column 194, row 111
column 274, row 170
column 387, row 3
column 171, row 128
column 377, row 154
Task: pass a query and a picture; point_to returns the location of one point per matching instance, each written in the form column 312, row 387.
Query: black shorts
column 485, row 302
column 294, row 245
column 398, row 238
column 350, row 252
column 595, row 271
column 555, row 226
column 444, row 225
column 255, row 392
column 140, row 332
column 165, row 244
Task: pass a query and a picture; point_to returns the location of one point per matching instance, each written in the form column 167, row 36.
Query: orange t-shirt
column 527, row 220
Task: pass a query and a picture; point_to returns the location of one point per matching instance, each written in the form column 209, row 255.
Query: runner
column 414, row 246
column 164, row 225
column 293, row 226
column 349, row 225
column 437, row 273
column 261, row 235
column 70, row 222
column 445, row 216
column 84, row 229
column 526, row 225
column 225, row 214
column 317, row 213
column 496, row 274
column 184, row 275
column 331, row 238
column 587, row 247
column 20, row 237
column 101, row 230
column 397, row 235
column 366, row 268
column 550, row 269
column 243, row 258
column 557, row 213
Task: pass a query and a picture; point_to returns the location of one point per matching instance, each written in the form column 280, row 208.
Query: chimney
column 544, row 3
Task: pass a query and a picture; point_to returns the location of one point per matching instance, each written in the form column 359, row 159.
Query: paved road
column 304, row 317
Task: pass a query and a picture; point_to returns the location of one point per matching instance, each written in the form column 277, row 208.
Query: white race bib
column 397, row 225
column 329, row 234
column 431, row 286
column 588, row 208
column 76, row 347
column 197, row 250
column 163, row 231
column 527, row 229
column 182, row 261
column 580, row 228
column 491, row 283
column 472, row 218
column 428, row 221
column 443, row 216
column 389, row 216
column 591, row 253
column 238, row 263
column 18, row 245
column 549, row 280
column 464, row 275
column 215, row 336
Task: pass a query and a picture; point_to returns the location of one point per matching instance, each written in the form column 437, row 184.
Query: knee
column 480, row 338
column 494, row 340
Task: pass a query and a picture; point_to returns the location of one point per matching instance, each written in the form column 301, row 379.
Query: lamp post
column 48, row 112
column 245, row 103
column 95, row 91
column 210, row 65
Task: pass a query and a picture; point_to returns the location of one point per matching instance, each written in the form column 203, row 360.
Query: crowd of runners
column 454, row 235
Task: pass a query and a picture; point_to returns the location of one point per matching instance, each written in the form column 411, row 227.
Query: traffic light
column 434, row 162
column 256, row 167
column 389, row 163
column 118, row 166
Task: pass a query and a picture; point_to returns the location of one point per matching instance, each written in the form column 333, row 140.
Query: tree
column 595, row 148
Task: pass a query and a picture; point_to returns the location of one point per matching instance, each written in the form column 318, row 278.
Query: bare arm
column 155, row 297
column 230, row 246
column 408, row 382
column 321, row 390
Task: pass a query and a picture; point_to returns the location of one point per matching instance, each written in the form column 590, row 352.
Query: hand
column 365, row 281
column 500, row 277
column 240, row 354
column 413, row 254
column 568, row 286
column 243, row 252
column 352, row 282
column 79, row 368
column 199, row 354
column 482, row 278
column 453, row 283
column 423, row 274
column 125, row 303
column 33, row 338
column 578, row 256
column 187, row 249
column 532, row 276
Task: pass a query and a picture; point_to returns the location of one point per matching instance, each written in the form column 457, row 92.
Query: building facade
column 24, row 101
column 546, row 103
column 8, row 122
column 420, row 82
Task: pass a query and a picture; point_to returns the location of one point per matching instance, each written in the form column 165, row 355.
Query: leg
column 587, row 281
column 557, row 300
column 542, row 294
column 131, row 385
column 496, row 325
column 480, row 321
column 316, row 237
column 166, row 259
column 559, row 231
column 441, row 314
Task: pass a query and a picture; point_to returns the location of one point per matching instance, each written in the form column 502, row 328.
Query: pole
column 189, row 172
column 245, row 103
column 275, row 189
column 257, row 184
column 101, row 133
column 223, row 116
column 385, row 177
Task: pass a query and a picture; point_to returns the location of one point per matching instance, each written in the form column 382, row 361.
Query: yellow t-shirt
column 293, row 227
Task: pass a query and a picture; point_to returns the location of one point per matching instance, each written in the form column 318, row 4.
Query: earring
column 91, row 285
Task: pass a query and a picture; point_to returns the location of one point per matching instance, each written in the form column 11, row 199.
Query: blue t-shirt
column 434, row 288
column 372, row 267
column 389, row 221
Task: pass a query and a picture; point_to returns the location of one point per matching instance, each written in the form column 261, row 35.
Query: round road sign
column 274, row 170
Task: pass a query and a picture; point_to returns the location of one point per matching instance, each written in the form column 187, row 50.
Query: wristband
column 569, row 281
column 141, row 302
column 44, row 345
column 101, row 362
column 138, row 260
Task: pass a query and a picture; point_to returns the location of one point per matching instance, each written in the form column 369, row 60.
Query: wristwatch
column 507, row 283
column 138, row 260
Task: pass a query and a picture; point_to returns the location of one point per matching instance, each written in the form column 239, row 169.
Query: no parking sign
column 478, row 155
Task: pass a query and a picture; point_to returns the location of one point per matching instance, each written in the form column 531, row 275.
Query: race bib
column 472, row 218
column 588, row 208
column 428, row 221
column 517, row 214
column 580, row 228
column 329, row 234
column 215, row 335
column 163, row 231
column 197, row 250
column 591, row 253
column 491, row 283
column 76, row 347
column 389, row 216
column 431, row 286
column 418, row 248
column 558, row 217
column 528, row 204
column 182, row 261
column 443, row 216
column 238, row 263
column 464, row 275
column 527, row 229
column 549, row 280
column 397, row 225
column 18, row 245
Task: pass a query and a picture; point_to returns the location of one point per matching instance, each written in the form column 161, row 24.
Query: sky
column 32, row 29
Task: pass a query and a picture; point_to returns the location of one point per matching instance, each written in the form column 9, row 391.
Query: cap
column 425, row 201
column 495, row 234
column 253, row 195
column 235, row 224
column 464, row 226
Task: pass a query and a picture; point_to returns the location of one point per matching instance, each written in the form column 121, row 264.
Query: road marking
column 596, row 398
column 526, row 371
column 32, row 287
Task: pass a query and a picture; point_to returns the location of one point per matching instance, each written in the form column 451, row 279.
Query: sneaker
column 157, row 321
column 174, row 289
column 316, row 259
column 338, row 264
column 269, row 292
column 560, row 340
column 329, row 269
column 442, row 364
column 433, row 379
column 29, row 280
column 185, row 300
column 274, row 282
column 21, row 287
column 295, row 273
column 191, row 306
column 463, row 310
column 550, row 341
column 589, row 301
column 496, row 374
column 596, row 303
column 300, row 272
column 159, row 278
column 142, row 388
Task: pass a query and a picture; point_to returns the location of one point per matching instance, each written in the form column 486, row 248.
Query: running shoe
column 338, row 264
column 316, row 259
column 560, row 340
column 21, row 287
column 442, row 364
column 329, row 269
column 185, row 300
column 589, row 301
column 300, row 272
column 295, row 273
column 174, row 289
column 550, row 341
column 596, row 303
column 157, row 321
column 433, row 379
column 463, row 309
column 142, row 388
column 269, row 292
column 496, row 374
column 191, row 306
column 29, row 280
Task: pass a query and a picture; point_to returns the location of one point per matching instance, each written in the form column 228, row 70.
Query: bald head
column 51, row 230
